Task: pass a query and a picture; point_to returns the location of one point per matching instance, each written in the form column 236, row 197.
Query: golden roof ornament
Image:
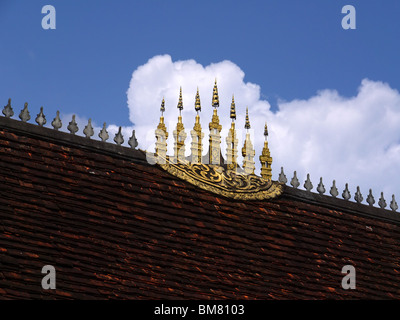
column 162, row 108
column 219, row 176
column 180, row 103
column 233, row 109
column 179, row 134
column 232, row 141
column 214, row 149
column 161, row 135
column 197, row 134
column 197, row 105
column 265, row 158
column 247, row 124
column 215, row 98
column 248, row 152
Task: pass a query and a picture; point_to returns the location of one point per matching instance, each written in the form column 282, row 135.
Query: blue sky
column 290, row 50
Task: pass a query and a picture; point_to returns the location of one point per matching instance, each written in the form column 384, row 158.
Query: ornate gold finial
column 233, row 109
column 214, row 149
column 180, row 103
column 179, row 134
column 161, row 136
column 248, row 150
column 247, row 124
column 162, row 108
column 232, row 141
column 197, row 105
column 265, row 158
column 197, row 135
column 215, row 99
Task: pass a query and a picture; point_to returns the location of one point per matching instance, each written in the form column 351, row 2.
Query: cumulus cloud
column 353, row 140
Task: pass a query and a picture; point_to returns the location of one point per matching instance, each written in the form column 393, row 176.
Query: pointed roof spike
column 72, row 126
column 282, row 177
column 162, row 108
column 247, row 124
column 393, row 204
column 346, row 193
column 41, row 118
column 197, row 105
column 370, row 198
column 24, row 115
column 307, row 184
column 88, row 131
column 215, row 98
column 180, row 103
column 321, row 187
column 233, row 109
column 334, row 191
column 56, row 123
column 132, row 140
column 103, row 134
column 265, row 130
column 119, row 139
column 8, row 111
column 295, row 182
column 382, row 201
column 358, row 196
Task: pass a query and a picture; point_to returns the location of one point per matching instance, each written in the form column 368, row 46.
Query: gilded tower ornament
column 248, row 152
column 232, row 141
column 197, row 135
column 265, row 158
column 179, row 133
column 161, row 135
column 219, row 176
column 214, row 150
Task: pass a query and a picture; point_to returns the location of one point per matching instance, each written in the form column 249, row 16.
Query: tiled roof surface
column 114, row 226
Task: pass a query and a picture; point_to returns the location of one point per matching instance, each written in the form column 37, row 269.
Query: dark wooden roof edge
column 67, row 139
column 341, row 205
column 139, row 156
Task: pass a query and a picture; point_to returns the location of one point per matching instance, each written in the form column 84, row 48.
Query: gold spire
column 179, row 134
column 197, row 135
column 215, row 99
column 197, row 105
column 233, row 109
column 248, row 150
column 180, row 103
column 161, row 136
column 265, row 158
column 247, row 124
column 232, row 141
column 214, row 149
column 162, row 108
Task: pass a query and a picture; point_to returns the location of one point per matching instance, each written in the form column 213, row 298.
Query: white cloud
column 354, row 140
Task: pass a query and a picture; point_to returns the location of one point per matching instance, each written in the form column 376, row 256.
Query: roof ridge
column 117, row 149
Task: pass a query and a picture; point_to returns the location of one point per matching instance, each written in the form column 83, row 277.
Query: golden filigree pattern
column 229, row 184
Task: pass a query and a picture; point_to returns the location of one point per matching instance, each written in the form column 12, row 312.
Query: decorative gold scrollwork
column 227, row 183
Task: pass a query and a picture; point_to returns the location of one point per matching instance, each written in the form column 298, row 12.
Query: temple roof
column 115, row 226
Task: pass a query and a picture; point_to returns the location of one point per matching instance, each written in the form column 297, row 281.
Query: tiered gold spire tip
column 247, row 124
column 265, row 158
column 180, row 102
column 233, row 109
column 197, row 105
column 162, row 108
column 215, row 98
